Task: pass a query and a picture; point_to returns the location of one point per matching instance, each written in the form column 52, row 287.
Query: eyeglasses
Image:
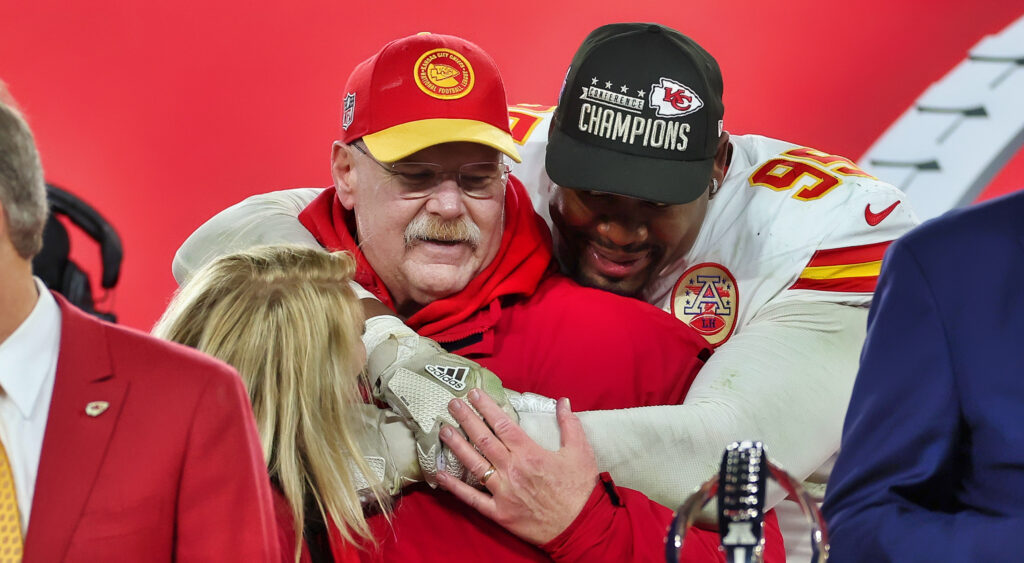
column 480, row 180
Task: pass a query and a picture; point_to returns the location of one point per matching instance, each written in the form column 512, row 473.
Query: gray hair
column 22, row 189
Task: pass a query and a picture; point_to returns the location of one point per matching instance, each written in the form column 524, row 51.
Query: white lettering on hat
column 672, row 99
column 633, row 129
column 612, row 99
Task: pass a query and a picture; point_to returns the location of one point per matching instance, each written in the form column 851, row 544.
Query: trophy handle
column 819, row 531
column 740, row 486
column 685, row 517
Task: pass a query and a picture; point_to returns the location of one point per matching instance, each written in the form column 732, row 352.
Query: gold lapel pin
column 96, row 408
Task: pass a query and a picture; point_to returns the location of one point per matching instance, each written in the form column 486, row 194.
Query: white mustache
column 430, row 227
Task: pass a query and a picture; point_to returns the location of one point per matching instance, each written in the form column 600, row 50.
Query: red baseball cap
column 425, row 90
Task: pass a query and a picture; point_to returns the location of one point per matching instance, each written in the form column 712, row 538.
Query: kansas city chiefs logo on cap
column 444, row 74
column 672, row 99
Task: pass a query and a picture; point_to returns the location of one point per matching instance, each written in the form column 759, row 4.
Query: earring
column 714, row 187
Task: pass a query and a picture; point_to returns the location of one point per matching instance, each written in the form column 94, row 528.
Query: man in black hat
column 770, row 250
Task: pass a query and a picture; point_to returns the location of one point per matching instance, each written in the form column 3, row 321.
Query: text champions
column 633, row 129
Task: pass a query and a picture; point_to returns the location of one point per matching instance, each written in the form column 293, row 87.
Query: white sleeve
column 271, row 218
column 785, row 380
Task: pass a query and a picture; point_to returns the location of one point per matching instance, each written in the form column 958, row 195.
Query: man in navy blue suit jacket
column 931, row 466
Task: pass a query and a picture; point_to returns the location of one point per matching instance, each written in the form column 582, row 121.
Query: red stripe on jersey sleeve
column 848, row 285
column 849, row 255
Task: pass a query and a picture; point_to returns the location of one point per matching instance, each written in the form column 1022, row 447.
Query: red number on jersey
column 813, row 171
column 782, row 174
column 839, row 164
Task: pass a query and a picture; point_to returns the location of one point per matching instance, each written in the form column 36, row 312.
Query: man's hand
column 417, row 378
column 535, row 493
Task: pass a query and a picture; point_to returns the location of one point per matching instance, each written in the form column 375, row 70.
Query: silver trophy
column 740, row 487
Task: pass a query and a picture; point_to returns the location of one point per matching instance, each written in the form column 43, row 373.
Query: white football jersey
column 788, row 223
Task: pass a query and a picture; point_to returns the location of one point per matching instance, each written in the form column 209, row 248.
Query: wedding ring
column 487, row 475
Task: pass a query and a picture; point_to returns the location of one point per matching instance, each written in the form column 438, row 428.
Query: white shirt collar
column 30, row 353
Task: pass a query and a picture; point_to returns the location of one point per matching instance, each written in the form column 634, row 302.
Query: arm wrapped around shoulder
column 271, row 218
column 785, row 381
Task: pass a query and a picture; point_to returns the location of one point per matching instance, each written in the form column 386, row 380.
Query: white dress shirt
column 28, row 369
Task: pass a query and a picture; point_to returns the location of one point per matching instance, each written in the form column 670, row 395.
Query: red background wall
column 161, row 113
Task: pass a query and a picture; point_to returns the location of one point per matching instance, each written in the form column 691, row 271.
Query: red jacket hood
column 523, row 259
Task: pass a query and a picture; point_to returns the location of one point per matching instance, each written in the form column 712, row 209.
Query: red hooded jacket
column 540, row 332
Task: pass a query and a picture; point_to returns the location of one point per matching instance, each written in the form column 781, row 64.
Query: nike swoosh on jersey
column 876, row 218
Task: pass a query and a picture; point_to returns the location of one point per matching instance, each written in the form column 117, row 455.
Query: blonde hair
column 287, row 320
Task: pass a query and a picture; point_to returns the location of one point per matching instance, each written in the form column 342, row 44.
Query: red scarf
column 522, row 261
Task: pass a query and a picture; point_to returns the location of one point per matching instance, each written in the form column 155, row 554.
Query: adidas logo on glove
column 452, row 376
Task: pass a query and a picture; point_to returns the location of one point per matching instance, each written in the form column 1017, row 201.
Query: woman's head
column 287, row 320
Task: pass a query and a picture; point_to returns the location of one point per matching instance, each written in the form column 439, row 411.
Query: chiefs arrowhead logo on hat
column 672, row 99
column 444, row 74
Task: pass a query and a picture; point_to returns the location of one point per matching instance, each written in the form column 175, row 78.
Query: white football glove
column 417, row 378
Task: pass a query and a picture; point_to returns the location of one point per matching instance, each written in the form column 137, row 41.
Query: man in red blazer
column 116, row 446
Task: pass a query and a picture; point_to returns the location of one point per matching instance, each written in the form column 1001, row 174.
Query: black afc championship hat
column 640, row 115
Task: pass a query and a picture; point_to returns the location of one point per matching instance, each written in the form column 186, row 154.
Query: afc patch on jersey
column 706, row 298
column 452, row 376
